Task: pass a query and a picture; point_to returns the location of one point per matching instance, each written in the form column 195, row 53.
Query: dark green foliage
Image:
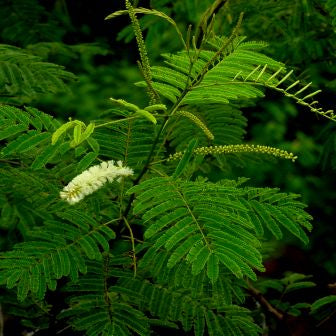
column 331, row 7
column 98, row 309
column 290, row 285
column 173, row 244
column 209, row 225
column 216, row 83
column 323, row 307
column 25, row 22
column 52, row 252
column 24, row 76
column 226, row 123
column 307, row 22
column 173, row 304
column 185, row 158
column 129, row 140
column 118, row 307
column 328, row 157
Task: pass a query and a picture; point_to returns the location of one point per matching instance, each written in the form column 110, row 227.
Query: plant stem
column 133, row 246
column 263, row 301
column 326, row 319
column 145, row 167
column 115, row 121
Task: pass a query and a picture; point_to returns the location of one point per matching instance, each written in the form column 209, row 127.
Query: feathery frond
column 23, row 76
column 98, row 310
column 212, row 224
column 128, row 140
column 197, row 313
column 56, row 250
column 196, row 82
column 25, row 22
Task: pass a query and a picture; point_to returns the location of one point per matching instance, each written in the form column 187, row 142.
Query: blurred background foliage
column 102, row 54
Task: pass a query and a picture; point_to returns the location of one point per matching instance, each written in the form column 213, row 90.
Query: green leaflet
column 213, row 268
column 25, row 142
column 300, row 285
column 45, row 156
column 195, row 251
column 12, row 130
column 181, row 234
column 87, row 132
column 86, row 161
column 62, row 129
column 78, row 135
column 163, row 89
column 124, row 103
column 201, row 260
column 164, row 221
column 266, row 217
column 230, row 264
column 93, row 144
column 322, row 302
column 147, row 115
column 182, row 250
column 186, row 158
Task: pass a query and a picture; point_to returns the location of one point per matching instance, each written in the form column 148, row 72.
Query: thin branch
column 116, row 121
column 326, row 319
column 135, row 239
column 133, row 246
column 263, row 301
column 157, row 171
column 10, row 161
column 107, row 299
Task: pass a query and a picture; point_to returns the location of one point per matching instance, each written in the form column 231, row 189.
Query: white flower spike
column 92, row 179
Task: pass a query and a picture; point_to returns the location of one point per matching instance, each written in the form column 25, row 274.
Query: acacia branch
column 265, row 303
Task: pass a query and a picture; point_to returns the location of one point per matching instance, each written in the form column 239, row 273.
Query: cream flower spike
column 92, row 179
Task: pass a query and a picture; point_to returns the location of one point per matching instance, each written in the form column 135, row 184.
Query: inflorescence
column 229, row 149
column 197, row 122
column 92, row 179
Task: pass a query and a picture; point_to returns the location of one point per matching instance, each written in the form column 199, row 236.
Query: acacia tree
column 119, row 217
